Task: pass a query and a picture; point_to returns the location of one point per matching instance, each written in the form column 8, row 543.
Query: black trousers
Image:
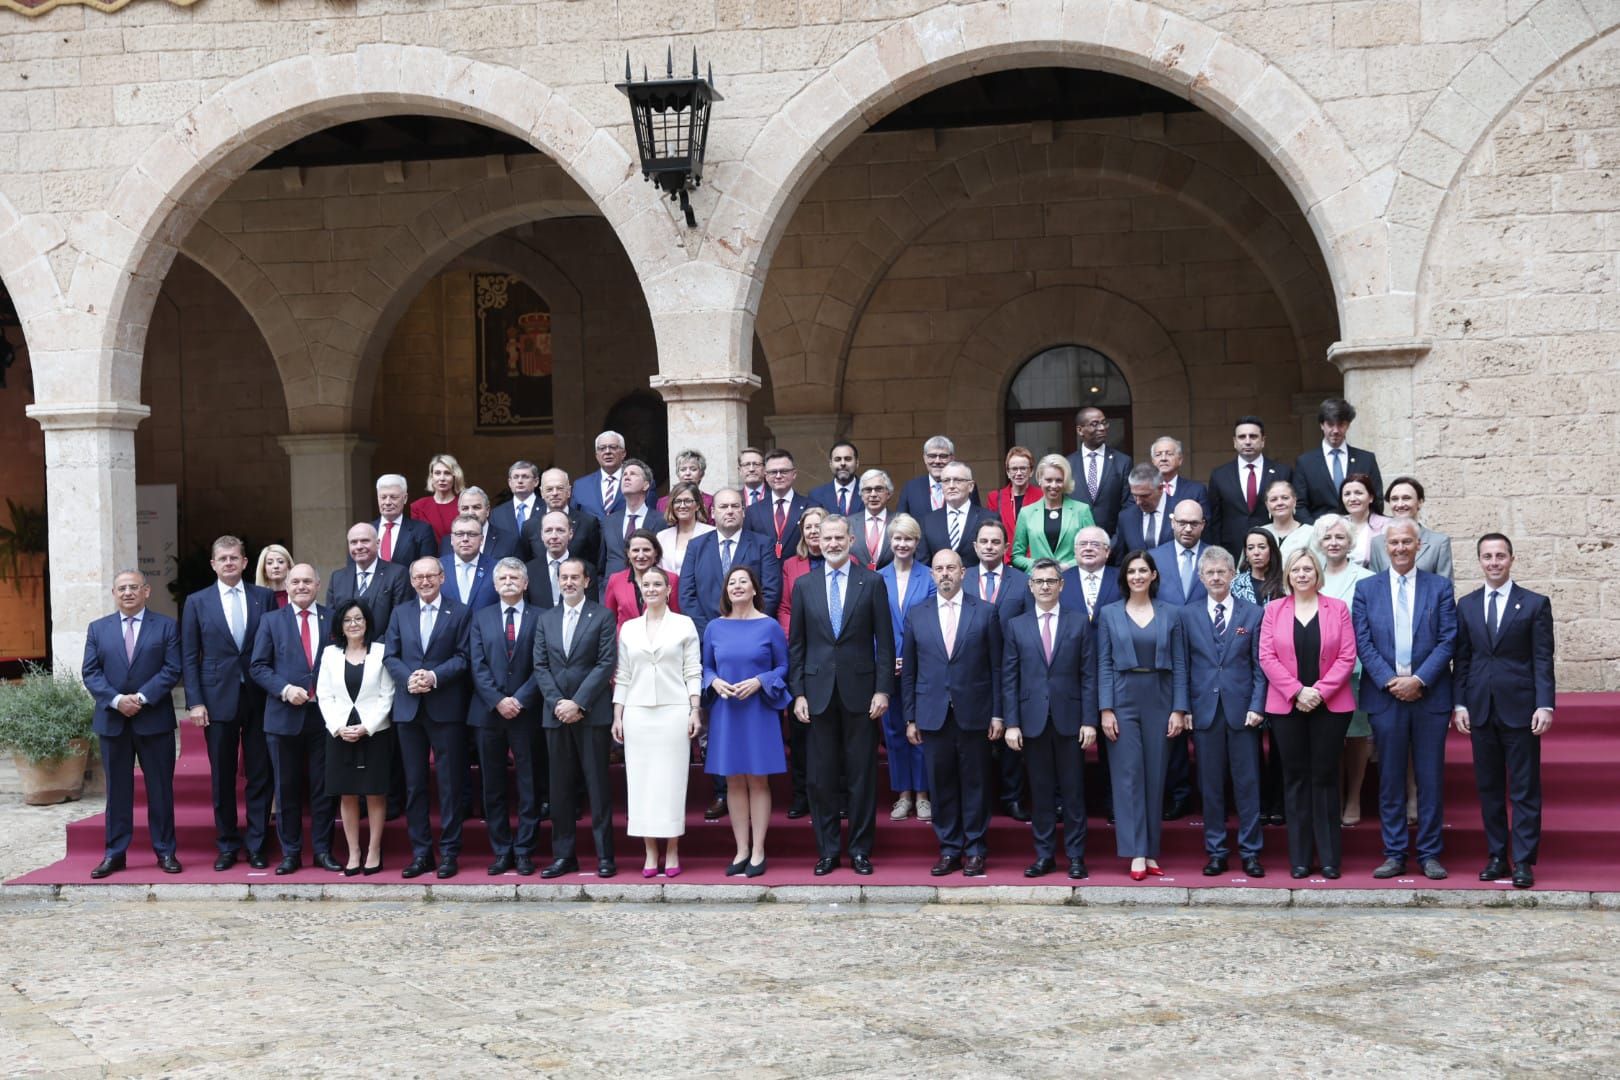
column 156, row 754
column 843, row 747
column 1311, row 744
column 447, row 744
column 1507, row 768
column 959, row 771
column 517, row 739
column 1056, row 767
column 798, row 741
column 226, row 740
column 299, row 762
column 1271, row 775
column 580, row 751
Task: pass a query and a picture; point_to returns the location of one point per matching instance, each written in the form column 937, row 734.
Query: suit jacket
column 1434, row 553
column 1225, row 675
column 376, row 698
column 1336, row 660
column 703, row 581
column 826, row 497
column 1029, row 539
column 483, row 589
column 1113, row 487
column 1167, row 558
column 655, row 671
column 613, row 535
column 587, row 495
column 539, row 569
column 499, row 542
column 761, row 519
column 216, row 670
column 503, row 516
column 1063, row 691
column 583, row 673
column 413, row 540
column 1132, row 526
column 390, row 586
column 936, row 533
column 1114, row 628
column 586, row 544
column 445, row 655
column 1074, row 590
column 153, row 672
column 1012, row 591
column 279, row 662
column 1313, row 480
column 967, row 681
column 1186, row 488
column 919, row 587
column 917, row 497
column 855, row 663
column 858, row 550
column 1512, row 672
column 1434, row 640
column 1230, row 517
column 495, row 676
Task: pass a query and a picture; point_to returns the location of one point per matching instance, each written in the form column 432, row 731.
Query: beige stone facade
column 1414, row 201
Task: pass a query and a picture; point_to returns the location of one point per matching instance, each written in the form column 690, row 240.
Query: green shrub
column 42, row 713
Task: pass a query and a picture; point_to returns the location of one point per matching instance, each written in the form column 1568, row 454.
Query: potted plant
column 45, row 721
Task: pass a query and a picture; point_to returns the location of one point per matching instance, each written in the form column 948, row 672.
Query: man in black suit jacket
column 555, row 544
column 841, row 674
column 1237, row 490
column 1319, row 471
column 400, row 539
column 382, row 585
column 575, row 647
column 841, row 494
column 1106, row 495
column 1504, row 691
column 926, row 493
column 496, row 541
column 1089, row 586
column 955, row 524
column 635, row 511
column 513, row 515
column 1166, row 454
column 776, row 517
column 586, row 528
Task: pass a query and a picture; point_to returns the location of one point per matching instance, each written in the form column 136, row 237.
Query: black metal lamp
column 672, row 127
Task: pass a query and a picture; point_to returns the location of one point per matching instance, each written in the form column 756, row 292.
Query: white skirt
column 657, row 756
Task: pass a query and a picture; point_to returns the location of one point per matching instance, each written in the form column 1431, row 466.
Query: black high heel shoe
column 368, row 871
column 351, row 871
column 756, row 869
column 736, row 868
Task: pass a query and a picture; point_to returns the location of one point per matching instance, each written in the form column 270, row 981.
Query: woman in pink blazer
column 1307, row 651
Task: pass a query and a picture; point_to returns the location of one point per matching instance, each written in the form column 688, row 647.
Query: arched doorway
column 1052, row 386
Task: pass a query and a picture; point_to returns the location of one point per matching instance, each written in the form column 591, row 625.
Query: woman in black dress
column 356, row 695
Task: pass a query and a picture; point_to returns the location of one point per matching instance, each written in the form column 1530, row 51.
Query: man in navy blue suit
column 286, row 663
column 1180, row 584
column 1049, row 699
column 1089, row 586
column 955, row 524
column 1505, row 693
column 468, row 577
column 1145, row 524
column 1003, row 586
column 926, row 493
column 522, row 478
column 217, row 628
column 586, row 529
column 382, row 585
column 1228, row 707
column 841, row 494
column 1167, row 456
column 602, row 492
column 1319, row 471
column 1099, row 471
column 776, row 517
column 950, row 679
column 634, row 511
column 1406, row 633
column 400, row 539
column 426, row 653
column 131, row 666
column 710, row 557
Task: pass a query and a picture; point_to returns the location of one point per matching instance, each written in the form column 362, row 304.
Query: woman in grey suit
column 1143, row 702
column 1404, row 499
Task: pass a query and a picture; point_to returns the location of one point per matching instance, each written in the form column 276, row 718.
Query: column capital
column 1367, row 355
column 79, row 416
column 736, row 387
column 324, row 443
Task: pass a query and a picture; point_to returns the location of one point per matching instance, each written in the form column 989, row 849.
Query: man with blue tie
column 426, row 654
column 1180, row 585
column 1406, row 634
column 710, row 557
column 286, row 664
column 841, row 494
column 602, row 492
column 926, row 493
column 1049, row 699
column 1505, row 695
column 1228, row 707
column 1320, row 471
column 131, row 666
column 751, row 472
column 217, row 627
column 522, row 478
column 495, row 542
column 467, row 576
column 633, row 512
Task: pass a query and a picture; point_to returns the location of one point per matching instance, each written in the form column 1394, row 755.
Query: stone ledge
column 273, row 891
column 715, row 894
column 394, row 893
column 625, row 893
column 477, row 893
column 1606, row 901
column 1508, row 898
column 1342, row 898
column 204, row 892
column 899, row 894
column 105, row 892
column 1056, row 895
column 1143, row 896
column 29, row 892
column 550, row 893
column 818, row 894
column 1232, row 896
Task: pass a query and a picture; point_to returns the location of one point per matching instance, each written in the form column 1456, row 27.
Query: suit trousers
column 1271, row 775
column 1136, row 763
column 843, row 749
column 959, row 771
column 227, row 739
column 1507, row 767
column 1008, row 771
column 1227, row 751
column 516, row 738
column 1056, row 766
column 578, row 750
column 156, row 755
column 1410, row 728
column 299, row 763
column 798, row 742
column 1178, row 771
column 447, row 744
column 1312, row 744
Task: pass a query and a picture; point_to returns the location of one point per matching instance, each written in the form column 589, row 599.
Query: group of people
column 1274, row 619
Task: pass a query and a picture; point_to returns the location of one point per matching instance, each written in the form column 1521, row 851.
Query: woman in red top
column 438, row 506
column 1018, row 493
column 274, row 563
column 622, row 594
column 799, row 565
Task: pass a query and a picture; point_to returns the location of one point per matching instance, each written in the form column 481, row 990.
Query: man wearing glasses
column 602, row 492
column 1099, row 470
column 776, row 517
column 924, row 494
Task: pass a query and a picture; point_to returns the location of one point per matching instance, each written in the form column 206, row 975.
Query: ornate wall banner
column 40, row 7
column 514, row 356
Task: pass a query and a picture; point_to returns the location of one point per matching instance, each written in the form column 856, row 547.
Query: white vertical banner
column 157, row 540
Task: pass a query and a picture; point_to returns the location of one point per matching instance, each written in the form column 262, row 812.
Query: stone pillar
column 708, row 414
column 90, row 495
column 332, row 488
column 1378, row 382
column 810, row 437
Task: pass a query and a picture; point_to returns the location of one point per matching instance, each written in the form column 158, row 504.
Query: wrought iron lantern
column 671, row 116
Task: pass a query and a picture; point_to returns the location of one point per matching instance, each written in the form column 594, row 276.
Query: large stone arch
column 1254, row 97
column 24, row 266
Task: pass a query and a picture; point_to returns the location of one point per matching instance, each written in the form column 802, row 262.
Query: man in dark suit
column 382, row 585
column 286, row 662
column 217, row 627
column 1319, row 471
column 1181, row 584
column 575, row 648
column 710, row 557
column 751, row 473
column 494, row 542
column 776, row 517
column 1099, row 471
column 1406, row 634
column 841, row 494
column 602, row 492
column 1003, row 586
column 1145, row 524
column 1237, row 489
column 1505, row 691
column 586, row 528
column 1228, row 707
column 504, row 715
column 634, row 512
column 1089, row 586
column 426, row 653
column 468, row 579
column 841, row 673
column 1049, row 699
column 926, row 493
column 545, row 571
column 869, row 529
column 400, row 539
column 514, row 515
column 131, row 666
column 955, row 524
column 950, row 681
column 1166, row 454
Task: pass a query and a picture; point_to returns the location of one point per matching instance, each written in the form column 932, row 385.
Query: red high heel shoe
column 1154, row 871
column 1139, row 875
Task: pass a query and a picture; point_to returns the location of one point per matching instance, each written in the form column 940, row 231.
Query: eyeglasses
column 780, row 472
column 466, row 535
column 1045, row 582
column 874, row 491
column 354, row 620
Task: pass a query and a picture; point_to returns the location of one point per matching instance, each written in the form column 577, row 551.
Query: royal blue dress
column 745, row 737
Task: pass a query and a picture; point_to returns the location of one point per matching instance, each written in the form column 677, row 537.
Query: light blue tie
column 426, row 627
column 835, row 601
column 1338, row 469
column 1403, row 627
column 239, row 620
column 522, row 515
column 1186, row 572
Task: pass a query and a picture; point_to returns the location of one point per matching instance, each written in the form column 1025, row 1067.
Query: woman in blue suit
column 909, row 585
column 1143, row 703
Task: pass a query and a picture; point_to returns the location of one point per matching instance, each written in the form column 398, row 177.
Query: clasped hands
column 1405, row 688
column 422, row 681
column 736, row 691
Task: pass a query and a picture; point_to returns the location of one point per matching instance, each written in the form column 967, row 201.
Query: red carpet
column 1580, row 848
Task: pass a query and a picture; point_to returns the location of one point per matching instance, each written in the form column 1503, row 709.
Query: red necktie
column 1250, row 490
column 874, row 536
column 388, row 541
column 309, row 642
column 781, row 523
column 511, row 633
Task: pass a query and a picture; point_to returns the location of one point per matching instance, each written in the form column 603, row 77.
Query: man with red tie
column 869, row 530
column 400, row 539
column 1237, row 489
column 776, row 517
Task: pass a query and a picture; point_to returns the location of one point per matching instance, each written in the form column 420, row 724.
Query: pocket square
column 1241, row 631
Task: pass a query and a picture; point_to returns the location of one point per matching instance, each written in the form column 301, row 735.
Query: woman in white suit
column 355, row 693
column 656, row 691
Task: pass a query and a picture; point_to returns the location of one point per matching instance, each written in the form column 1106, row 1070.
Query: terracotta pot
column 46, row 783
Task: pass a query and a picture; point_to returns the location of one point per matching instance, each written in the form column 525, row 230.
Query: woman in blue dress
column 745, row 672
column 909, row 585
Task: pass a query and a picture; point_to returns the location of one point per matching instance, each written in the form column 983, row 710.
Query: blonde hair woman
column 438, row 507
column 274, row 563
column 1046, row 530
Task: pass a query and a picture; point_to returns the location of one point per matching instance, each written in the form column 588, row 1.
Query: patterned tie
column 948, row 627
column 1091, row 594
column 843, row 501
column 755, row 496
column 936, row 496
column 1338, row 468
column 1220, row 620
column 630, row 519
column 1091, row 474
column 610, row 493
column 238, row 622
column 388, row 541
column 1046, row 635
column 1251, row 490
column 835, row 601
column 956, row 527
column 309, row 639
column 874, row 539
column 781, row 524
column 725, row 557
column 129, row 637
column 556, row 584
column 511, row 633
column 1490, row 618
column 1403, row 628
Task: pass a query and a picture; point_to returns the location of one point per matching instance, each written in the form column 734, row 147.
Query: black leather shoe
column 1434, row 871
column 1215, row 866
column 1297, row 872
column 1494, row 868
column 1523, row 876
column 973, row 866
column 861, row 864
column 717, row 809
column 1015, row 810
column 606, row 868
column 948, row 864
column 559, row 867
column 545, row 811
column 1176, row 811
column 1077, row 870
column 258, row 860
column 501, row 865
column 325, row 861
column 797, row 811
column 825, row 867
column 447, row 868
column 1040, row 868
column 289, row 865
column 109, row 865
column 168, row 864
column 226, row 860
column 1331, row 873
column 1390, row 867
column 1252, row 867
column 422, row 864
column 525, row 864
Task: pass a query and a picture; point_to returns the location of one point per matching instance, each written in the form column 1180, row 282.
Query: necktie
column 1150, row 529
column 1403, row 628
column 1091, row 474
column 781, row 518
column 987, row 587
column 936, row 496
column 425, row 627
column 630, row 519
column 1220, row 619
column 1091, row 593
column 1490, row 617
column 467, row 580
column 725, row 556
column 1251, row 489
column 1046, row 635
column 835, row 601
column 948, row 627
column 610, row 493
column 1186, row 572
column 1338, row 468
column 843, row 501
column 755, row 496
column 511, row 632
column 388, row 540
column 556, row 585
column 362, row 582
column 309, row 640
column 874, row 539
column 236, row 616
column 570, row 620
column 522, row 515
column 129, row 637
column 956, row 527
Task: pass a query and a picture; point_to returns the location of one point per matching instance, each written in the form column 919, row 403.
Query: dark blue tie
column 1220, row 619
column 1490, row 617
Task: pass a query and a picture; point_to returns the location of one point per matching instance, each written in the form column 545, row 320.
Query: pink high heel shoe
column 672, row 871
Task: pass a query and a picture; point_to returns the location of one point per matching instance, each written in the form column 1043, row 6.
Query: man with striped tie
column 1099, row 469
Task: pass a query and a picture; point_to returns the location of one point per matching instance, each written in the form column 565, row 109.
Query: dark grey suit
column 583, row 674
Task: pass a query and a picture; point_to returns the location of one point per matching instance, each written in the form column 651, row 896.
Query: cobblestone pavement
column 99, row 987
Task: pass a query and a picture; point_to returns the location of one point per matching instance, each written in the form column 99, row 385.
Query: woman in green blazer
column 1046, row 530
